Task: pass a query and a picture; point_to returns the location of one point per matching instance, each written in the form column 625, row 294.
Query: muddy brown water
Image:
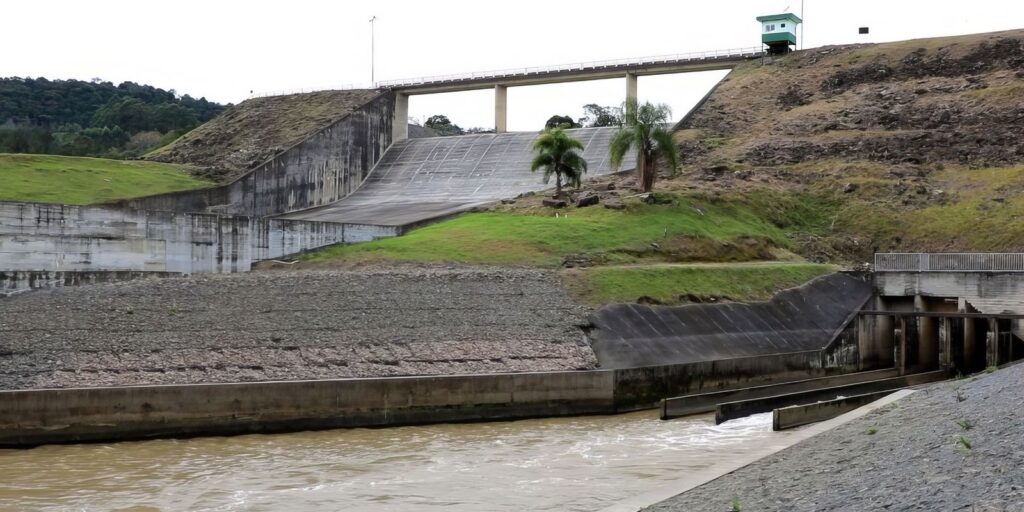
column 580, row 463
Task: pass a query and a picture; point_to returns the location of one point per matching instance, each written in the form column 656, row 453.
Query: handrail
column 753, row 51
column 949, row 262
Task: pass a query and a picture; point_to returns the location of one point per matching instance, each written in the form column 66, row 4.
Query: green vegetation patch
column 539, row 238
column 672, row 284
column 77, row 180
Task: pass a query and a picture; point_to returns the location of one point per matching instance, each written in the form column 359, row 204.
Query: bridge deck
column 423, row 179
column 663, row 64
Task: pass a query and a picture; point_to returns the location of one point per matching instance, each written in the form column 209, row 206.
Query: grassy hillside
column 250, row 133
column 78, row 180
column 684, row 229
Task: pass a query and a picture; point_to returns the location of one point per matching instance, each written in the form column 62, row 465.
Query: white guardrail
column 949, row 262
column 750, row 52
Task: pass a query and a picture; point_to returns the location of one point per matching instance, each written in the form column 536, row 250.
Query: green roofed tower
column 778, row 31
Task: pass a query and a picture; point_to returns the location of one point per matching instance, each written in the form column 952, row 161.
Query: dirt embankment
column 291, row 325
column 248, row 134
column 956, row 100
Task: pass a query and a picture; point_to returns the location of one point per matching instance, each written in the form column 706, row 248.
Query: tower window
column 783, row 25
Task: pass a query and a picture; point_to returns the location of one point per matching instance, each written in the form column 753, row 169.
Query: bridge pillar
column 500, row 108
column 400, row 119
column 630, row 87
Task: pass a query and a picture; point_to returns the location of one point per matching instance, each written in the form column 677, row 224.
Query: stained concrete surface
column 421, row 179
column 291, row 325
column 799, row 319
column 913, row 460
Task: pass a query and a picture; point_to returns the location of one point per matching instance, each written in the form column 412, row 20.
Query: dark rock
column 555, row 203
column 587, row 200
column 614, row 204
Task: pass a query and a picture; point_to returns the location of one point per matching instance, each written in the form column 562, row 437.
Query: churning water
column 579, row 463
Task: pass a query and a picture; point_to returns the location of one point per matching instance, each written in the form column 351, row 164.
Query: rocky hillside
column 912, row 145
column 251, row 132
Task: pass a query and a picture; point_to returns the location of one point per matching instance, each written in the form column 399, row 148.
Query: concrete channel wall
column 21, row 281
column 325, row 167
column 33, row 417
column 57, row 238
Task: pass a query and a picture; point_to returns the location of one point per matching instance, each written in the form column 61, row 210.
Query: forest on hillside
column 94, row 118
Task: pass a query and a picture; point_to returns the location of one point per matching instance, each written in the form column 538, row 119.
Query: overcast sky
column 224, row 50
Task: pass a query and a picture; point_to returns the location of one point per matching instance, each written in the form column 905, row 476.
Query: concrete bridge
column 501, row 80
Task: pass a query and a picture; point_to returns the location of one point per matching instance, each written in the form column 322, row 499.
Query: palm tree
column 643, row 129
column 556, row 154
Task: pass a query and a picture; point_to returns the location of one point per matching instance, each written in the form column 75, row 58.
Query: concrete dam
column 422, row 179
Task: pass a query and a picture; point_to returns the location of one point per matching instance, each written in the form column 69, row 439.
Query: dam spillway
column 421, row 179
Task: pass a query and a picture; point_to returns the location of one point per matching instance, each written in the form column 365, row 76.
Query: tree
column 557, row 155
column 644, row 131
column 557, row 121
column 596, row 116
column 442, row 125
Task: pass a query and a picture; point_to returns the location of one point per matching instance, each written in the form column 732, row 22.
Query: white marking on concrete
column 699, row 478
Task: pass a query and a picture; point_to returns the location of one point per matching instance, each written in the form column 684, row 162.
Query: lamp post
column 373, row 78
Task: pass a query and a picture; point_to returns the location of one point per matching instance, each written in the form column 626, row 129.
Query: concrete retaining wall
column 74, row 415
column 799, row 415
column 16, row 282
column 742, row 408
column 325, row 167
column 57, row 238
column 805, row 318
column 32, row 417
column 706, row 402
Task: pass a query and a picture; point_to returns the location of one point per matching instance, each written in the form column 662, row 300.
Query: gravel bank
column 291, row 325
column 903, row 457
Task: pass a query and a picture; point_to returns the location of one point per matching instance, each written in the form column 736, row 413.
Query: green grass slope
column 688, row 229
column 79, row 181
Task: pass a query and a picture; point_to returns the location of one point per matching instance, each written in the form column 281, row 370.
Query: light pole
column 373, row 78
column 802, row 43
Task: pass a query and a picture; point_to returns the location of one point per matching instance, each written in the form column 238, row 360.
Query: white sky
column 223, row 50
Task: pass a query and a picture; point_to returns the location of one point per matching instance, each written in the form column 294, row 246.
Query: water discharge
column 581, row 463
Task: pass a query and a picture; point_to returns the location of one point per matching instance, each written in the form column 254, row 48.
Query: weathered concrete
column 631, row 83
column 400, row 122
column 58, row 238
column 423, row 179
column 800, row 319
column 500, row 109
column 32, row 417
column 319, row 170
column 800, row 415
column 679, row 406
column 739, row 409
column 74, row 415
column 23, row 281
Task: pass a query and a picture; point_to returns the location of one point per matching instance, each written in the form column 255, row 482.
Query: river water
column 579, row 463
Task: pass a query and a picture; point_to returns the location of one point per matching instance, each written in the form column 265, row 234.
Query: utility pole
column 802, row 43
column 373, row 78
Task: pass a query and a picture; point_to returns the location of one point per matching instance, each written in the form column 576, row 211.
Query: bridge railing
column 748, row 52
column 949, row 262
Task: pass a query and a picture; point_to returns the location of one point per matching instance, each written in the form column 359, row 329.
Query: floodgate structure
column 918, row 318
